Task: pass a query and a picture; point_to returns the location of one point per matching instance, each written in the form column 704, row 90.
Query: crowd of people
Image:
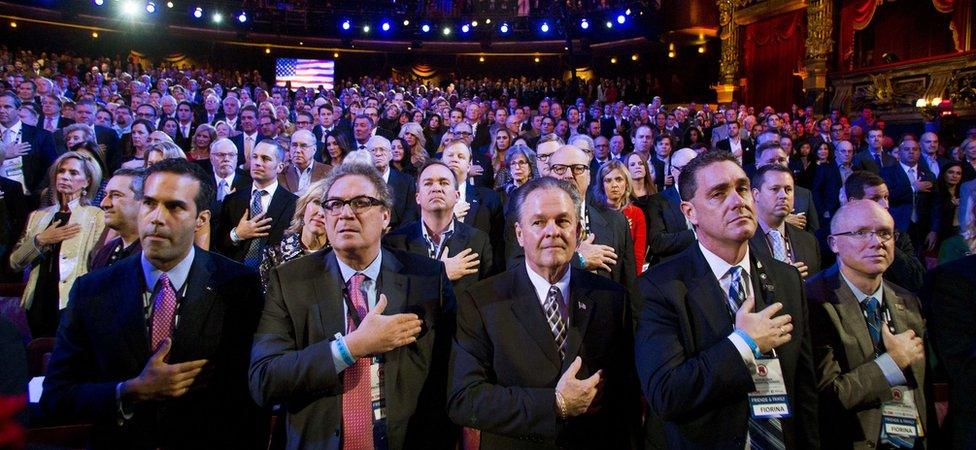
column 503, row 264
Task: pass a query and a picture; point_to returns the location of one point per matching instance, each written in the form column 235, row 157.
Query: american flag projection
column 310, row 73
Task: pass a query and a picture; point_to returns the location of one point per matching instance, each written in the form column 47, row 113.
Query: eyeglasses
column 224, row 155
column 357, row 204
column 560, row 169
column 519, row 163
column 301, row 145
column 543, row 157
column 863, row 235
column 461, row 133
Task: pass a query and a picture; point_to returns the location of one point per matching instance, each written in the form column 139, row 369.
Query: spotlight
column 365, row 28
column 621, row 19
column 346, row 25
column 129, row 7
column 465, row 28
column 335, row 55
column 633, row 57
column 446, row 31
column 99, row 2
column 218, row 17
column 13, row 24
column 481, row 59
column 406, row 22
column 267, row 51
column 385, row 26
column 536, row 59
column 425, row 28
column 671, row 54
column 169, row 5
column 609, row 24
column 545, row 27
column 613, row 60
column 94, row 35
column 474, row 23
column 627, row 12
column 198, row 13
column 150, row 7
column 701, row 49
column 504, row 28
column 488, row 21
column 584, row 24
column 242, row 17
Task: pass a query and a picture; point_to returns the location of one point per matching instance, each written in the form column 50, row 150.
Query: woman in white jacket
column 57, row 240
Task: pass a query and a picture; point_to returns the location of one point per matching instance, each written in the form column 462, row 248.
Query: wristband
column 233, row 235
column 750, row 342
column 581, row 260
column 344, row 351
column 561, row 406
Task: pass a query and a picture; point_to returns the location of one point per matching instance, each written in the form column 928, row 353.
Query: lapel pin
column 581, row 305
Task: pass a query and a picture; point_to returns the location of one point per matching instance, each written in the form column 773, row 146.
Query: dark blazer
column 482, row 137
column 242, row 179
column 280, row 210
column 487, row 215
column 901, row 198
column 291, row 362
column 39, row 158
column 693, row 376
column 668, row 233
column 852, row 386
column 657, row 165
column 184, row 142
column 864, row 161
column 827, row 182
column 404, row 191
column 804, row 245
column 100, row 257
column 608, row 127
column 951, row 312
column 108, row 141
column 103, row 340
column 803, row 203
column 13, row 216
column 238, row 141
column 410, row 238
column 748, row 150
column 289, row 176
column 506, row 365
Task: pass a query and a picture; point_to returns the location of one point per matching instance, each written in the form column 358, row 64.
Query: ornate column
column 729, row 60
column 820, row 47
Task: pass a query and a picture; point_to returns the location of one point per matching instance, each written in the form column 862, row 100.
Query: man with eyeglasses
column 481, row 172
column 868, row 342
column 222, row 168
column 354, row 343
column 303, row 170
column 403, row 206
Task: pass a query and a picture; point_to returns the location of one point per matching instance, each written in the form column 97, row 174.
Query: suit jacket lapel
column 196, row 306
column 415, row 239
column 896, row 306
column 598, row 222
column 327, row 288
column 706, row 294
column 852, row 318
column 472, row 196
column 528, row 312
column 458, row 241
column 277, row 206
column 580, row 307
column 291, row 179
column 131, row 314
column 395, row 286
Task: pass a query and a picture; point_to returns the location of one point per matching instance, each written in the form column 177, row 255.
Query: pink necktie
column 164, row 311
column 357, row 422
column 49, row 126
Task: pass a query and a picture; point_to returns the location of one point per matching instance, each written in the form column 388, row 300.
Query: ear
column 203, row 219
column 416, row 198
column 832, row 243
column 690, row 212
column 518, row 234
column 386, row 218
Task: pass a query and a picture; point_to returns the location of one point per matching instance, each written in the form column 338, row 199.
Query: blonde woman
column 614, row 189
column 305, row 235
column 413, row 135
column 163, row 150
column 57, row 240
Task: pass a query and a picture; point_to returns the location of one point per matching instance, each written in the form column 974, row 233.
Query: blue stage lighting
column 150, row 7
column 584, row 24
column 242, row 17
column 465, row 28
column 621, row 19
column 346, row 25
column 504, row 28
column 545, row 27
column 99, row 2
column 425, row 28
column 386, row 26
column 198, row 13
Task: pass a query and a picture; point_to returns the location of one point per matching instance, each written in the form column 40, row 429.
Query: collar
column 720, row 268
column 766, row 228
column 426, row 232
column 229, row 178
column 372, row 271
column 541, row 285
column 386, row 174
column 270, row 189
column 907, row 168
column 307, row 169
column 252, row 136
column 15, row 127
column 177, row 275
column 860, row 296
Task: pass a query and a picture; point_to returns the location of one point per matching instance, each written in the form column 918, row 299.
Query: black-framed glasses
column 543, row 157
column 863, row 235
column 518, row 163
column 357, row 204
column 560, row 169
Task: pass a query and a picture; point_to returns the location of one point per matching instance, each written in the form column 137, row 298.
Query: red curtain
column 772, row 50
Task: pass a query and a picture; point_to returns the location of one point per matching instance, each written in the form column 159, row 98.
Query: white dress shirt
column 720, row 269
column 541, row 286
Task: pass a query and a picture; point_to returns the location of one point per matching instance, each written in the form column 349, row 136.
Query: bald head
column 862, row 236
column 857, row 211
column 679, row 159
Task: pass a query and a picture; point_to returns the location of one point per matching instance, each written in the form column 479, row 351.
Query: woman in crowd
column 397, row 158
column 498, row 152
column 800, row 162
column 75, row 134
column 415, row 149
column 692, row 136
column 418, row 117
column 170, row 126
column 336, row 149
column 433, row 132
column 642, row 178
column 134, row 150
column 159, row 136
column 520, row 164
column 305, row 235
column 949, row 182
column 963, row 243
column 613, row 189
column 224, row 130
column 163, row 150
column 200, row 144
column 57, row 240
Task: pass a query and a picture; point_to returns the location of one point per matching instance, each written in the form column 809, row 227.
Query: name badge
column 770, row 399
column 899, row 416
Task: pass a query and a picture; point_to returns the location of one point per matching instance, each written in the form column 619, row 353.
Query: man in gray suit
column 354, row 343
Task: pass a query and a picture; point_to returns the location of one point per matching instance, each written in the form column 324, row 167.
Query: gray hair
column 168, row 149
column 416, row 130
column 138, row 178
column 583, row 142
column 522, row 150
column 543, row 183
column 280, row 151
column 367, row 171
column 80, row 126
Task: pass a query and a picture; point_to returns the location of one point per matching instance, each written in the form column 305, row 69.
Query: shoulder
column 597, row 282
column 495, row 289
column 673, row 269
column 954, row 270
column 415, row 265
column 227, row 269
column 821, row 286
column 800, row 234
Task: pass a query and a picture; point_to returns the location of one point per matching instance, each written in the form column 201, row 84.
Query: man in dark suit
column 829, row 179
column 478, row 207
column 225, row 177
column 822, row 134
column 661, row 161
column 951, row 312
column 335, row 321
column 743, row 149
column 153, row 350
column 51, row 118
column 464, row 250
column 250, row 136
column 868, row 344
column 252, row 219
column 29, row 151
column 106, row 138
column 121, row 203
column 669, row 233
column 403, row 189
column 701, row 347
column 874, row 158
column 480, row 135
column 185, row 125
column 211, row 110
column 303, row 170
column 542, row 357
column 804, row 214
column 772, row 189
column 376, row 129
column 914, row 199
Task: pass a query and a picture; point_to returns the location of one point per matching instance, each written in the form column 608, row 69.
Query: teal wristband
column 344, row 351
column 581, row 260
column 751, row 343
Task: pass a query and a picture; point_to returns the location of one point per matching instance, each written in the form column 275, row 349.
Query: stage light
column 406, row 22
column 627, row 12
column 621, row 19
column 242, row 17
column 488, row 21
column 425, row 28
column 335, row 55
column 365, row 28
column 481, row 59
column 465, row 28
column 701, row 49
column 613, row 60
column 446, row 31
column 633, row 57
column 94, row 35
column 198, row 13
column 346, row 25
column 544, row 28
column 129, row 7
column 217, row 17
column 169, row 5
column 474, row 23
column 385, row 26
column 99, row 2
column 301, row 43
column 671, row 54
column 536, row 59
column 609, row 24
column 584, row 24
column 150, row 7
column 13, row 24
column 267, row 51
column 504, row 28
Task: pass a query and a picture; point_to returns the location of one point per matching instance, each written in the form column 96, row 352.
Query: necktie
column 872, row 314
column 8, row 136
column 764, row 434
column 357, row 423
column 877, row 159
column 253, row 257
column 779, row 246
column 362, row 147
column 555, row 315
column 164, row 311
column 221, row 190
column 49, row 124
column 913, row 179
column 248, row 146
column 434, row 249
